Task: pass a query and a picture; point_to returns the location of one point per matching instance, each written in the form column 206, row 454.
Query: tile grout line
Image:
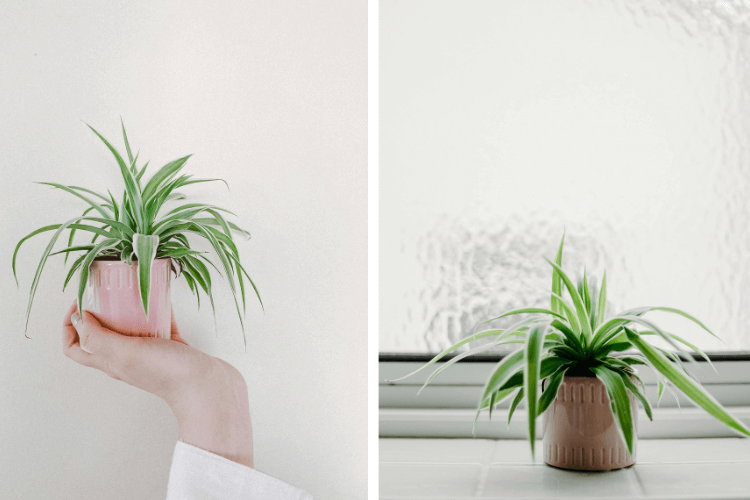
column 486, row 469
column 482, row 480
column 640, row 483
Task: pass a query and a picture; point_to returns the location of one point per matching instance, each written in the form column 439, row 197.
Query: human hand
column 207, row 395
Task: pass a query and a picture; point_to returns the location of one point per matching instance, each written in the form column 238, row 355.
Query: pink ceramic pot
column 580, row 431
column 112, row 293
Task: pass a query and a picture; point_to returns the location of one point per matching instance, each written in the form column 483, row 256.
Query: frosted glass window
column 503, row 122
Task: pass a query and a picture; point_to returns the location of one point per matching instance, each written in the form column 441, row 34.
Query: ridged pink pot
column 112, row 293
column 580, row 432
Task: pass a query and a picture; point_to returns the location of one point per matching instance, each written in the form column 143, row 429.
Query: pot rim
column 117, row 259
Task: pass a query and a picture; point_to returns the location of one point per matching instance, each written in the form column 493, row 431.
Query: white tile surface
column 429, row 480
column 516, row 451
column 669, row 469
column 692, row 450
column 455, row 451
column 540, row 481
column 722, row 480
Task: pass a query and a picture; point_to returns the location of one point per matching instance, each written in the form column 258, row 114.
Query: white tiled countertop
column 470, row 468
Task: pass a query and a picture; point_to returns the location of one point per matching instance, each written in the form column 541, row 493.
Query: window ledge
column 670, row 423
column 668, row 469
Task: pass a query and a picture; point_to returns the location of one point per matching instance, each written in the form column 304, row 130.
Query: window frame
column 447, row 406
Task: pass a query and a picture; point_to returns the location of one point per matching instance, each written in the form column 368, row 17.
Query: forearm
column 213, row 414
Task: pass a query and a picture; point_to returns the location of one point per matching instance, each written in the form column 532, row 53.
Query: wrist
column 213, row 414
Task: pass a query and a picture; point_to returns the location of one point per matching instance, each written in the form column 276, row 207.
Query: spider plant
column 575, row 336
column 139, row 227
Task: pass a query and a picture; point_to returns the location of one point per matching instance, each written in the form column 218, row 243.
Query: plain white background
column 270, row 97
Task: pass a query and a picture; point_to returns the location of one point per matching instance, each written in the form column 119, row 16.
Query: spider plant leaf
column 141, row 172
column 463, row 355
column 487, row 333
column 89, row 258
column 570, row 336
column 532, row 354
column 502, row 372
column 60, row 228
column 131, row 185
column 569, row 353
column 163, row 175
column 242, row 270
column 145, row 247
column 73, row 249
column 620, row 401
column 73, row 268
column 687, row 385
column 659, row 331
column 89, row 191
column 641, row 397
column 660, row 392
column 684, row 342
column 607, row 331
column 676, row 358
column 495, row 399
column 612, row 347
column 526, row 310
column 556, row 280
column 550, row 392
column 212, row 222
column 684, row 315
column 127, row 144
column 577, row 301
column 179, row 252
column 586, row 292
column 197, row 181
column 516, row 401
column 73, row 233
column 88, row 200
column 115, row 208
column 125, row 231
column 202, row 276
column 602, row 303
column 549, row 365
column 571, row 314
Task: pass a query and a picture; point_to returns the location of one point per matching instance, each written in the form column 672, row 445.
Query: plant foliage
column 576, row 336
column 141, row 228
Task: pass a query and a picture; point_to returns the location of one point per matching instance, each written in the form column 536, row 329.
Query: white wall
column 271, row 97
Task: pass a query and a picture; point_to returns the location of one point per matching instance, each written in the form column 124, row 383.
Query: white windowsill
column 459, row 469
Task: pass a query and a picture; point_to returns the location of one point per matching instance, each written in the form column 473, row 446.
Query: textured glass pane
column 501, row 123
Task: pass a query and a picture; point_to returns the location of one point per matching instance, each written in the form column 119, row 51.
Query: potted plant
column 591, row 384
column 125, row 276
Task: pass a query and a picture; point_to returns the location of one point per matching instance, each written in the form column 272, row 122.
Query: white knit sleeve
column 197, row 474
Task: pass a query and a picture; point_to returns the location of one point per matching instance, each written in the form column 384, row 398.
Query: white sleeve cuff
column 197, row 474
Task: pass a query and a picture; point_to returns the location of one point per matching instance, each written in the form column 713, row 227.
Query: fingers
column 95, row 339
column 71, row 343
column 87, row 342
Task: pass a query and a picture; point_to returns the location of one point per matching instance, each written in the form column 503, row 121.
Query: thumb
column 94, row 338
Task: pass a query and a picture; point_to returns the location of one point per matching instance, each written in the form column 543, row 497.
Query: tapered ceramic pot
column 112, row 293
column 580, row 432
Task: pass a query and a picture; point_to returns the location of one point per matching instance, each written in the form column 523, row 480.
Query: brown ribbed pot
column 579, row 428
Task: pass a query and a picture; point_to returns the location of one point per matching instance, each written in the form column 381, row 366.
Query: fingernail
column 74, row 319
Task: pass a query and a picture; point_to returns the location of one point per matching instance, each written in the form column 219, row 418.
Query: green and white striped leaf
column 618, row 396
column 550, row 392
column 689, row 387
column 577, row 301
column 145, row 247
column 532, row 358
column 89, row 258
